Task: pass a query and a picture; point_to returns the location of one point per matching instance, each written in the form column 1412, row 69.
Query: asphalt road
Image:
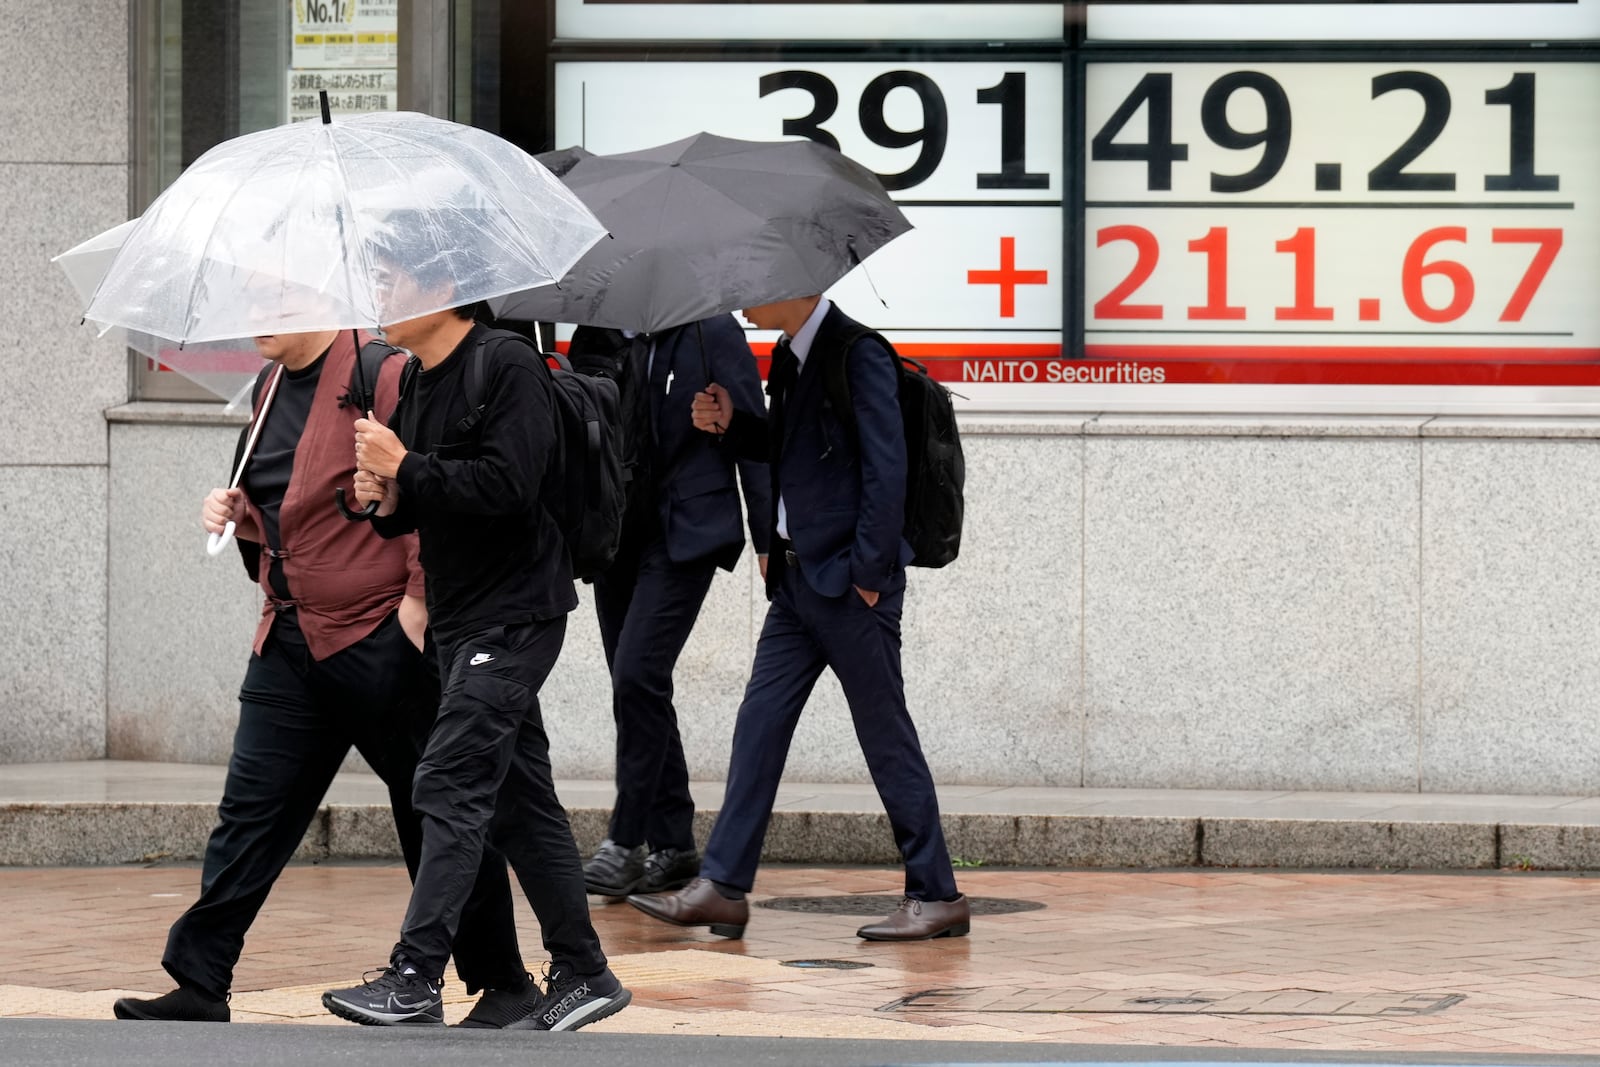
column 67, row 1043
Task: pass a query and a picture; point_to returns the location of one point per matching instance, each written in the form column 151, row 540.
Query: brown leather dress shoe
column 699, row 904
column 919, row 920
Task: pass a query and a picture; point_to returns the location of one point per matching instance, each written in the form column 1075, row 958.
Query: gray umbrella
column 712, row 224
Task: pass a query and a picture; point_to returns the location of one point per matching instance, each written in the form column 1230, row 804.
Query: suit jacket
column 844, row 494
column 693, row 475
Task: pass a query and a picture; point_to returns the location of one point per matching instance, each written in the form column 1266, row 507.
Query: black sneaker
column 399, row 996
column 670, row 868
column 574, row 1000
column 499, row 1008
column 614, row 871
column 184, row 1004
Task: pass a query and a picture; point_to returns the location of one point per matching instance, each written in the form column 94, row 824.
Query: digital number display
column 971, row 151
column 1358, row 222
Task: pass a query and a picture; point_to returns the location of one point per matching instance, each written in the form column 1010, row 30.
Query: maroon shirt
column 344, row 578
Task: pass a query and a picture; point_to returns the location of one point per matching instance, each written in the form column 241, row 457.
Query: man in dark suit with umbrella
column 836, row 581
column 683, row 522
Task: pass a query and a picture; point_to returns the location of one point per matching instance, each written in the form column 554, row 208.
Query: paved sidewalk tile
column 1495, row 962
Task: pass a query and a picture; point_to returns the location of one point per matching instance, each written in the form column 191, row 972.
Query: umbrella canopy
column 712, row 224
column 226, row 368
column 301, row 228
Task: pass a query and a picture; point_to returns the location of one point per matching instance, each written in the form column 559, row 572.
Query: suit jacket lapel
column 811, row 372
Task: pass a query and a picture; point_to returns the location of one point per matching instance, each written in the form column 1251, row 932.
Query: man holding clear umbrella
column 303, row 205
column 467, row 473
column 337, row 661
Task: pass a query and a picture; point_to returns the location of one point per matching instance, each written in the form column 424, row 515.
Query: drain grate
column 879, row 904
column 826, row 965
column 1032, row 1000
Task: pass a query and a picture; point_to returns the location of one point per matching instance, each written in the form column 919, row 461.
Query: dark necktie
column 781, row 381
column 638, row 411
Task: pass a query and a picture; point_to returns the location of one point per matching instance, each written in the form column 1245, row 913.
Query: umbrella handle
column 215, row 543
column 353, row 516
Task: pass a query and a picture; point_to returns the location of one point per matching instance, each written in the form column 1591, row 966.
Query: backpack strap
column 364, row 372
column 476, row 401
column 836, row 379
column 403, row 416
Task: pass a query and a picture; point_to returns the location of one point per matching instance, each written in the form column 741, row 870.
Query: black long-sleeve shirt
column 491, row 552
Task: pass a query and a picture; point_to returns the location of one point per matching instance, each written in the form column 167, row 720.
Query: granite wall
column 63, row 177
column 1387, row 603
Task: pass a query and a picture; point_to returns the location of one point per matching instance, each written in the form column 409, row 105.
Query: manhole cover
column 827, row 965
column 878, row 904
column 1027, row 1000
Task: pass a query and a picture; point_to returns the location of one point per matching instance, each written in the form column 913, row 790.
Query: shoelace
column 553, row 976
column 913, row 906
column 387, row 979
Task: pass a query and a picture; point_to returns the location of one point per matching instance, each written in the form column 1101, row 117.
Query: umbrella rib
column 205, row 249
column 350, row 217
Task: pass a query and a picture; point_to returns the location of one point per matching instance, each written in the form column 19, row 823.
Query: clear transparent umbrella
column 304, row 226
column 226, row 368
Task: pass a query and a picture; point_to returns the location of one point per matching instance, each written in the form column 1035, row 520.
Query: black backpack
column 935, row 466
column 589, row 497
column 601, row 352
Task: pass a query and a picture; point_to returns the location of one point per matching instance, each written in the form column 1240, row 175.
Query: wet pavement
column 1389, row 964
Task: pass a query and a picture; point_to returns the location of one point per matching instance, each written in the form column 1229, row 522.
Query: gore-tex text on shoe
column 566, row 1004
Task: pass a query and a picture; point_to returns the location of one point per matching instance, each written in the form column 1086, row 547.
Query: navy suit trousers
column 804, row 633
column 647, row 606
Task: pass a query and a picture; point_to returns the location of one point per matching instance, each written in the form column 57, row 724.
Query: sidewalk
column 106, row 812
column 1489, row 962
column 1494, row 961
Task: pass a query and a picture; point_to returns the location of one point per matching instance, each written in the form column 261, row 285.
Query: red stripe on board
column 1359, row 353
column 1043, row 364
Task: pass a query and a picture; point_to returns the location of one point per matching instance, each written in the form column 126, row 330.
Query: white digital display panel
column 1513, row 20
column 971, row 151
column 1375, row 222
column 784, row 20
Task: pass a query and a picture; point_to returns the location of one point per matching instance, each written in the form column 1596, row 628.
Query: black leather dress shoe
column 920, row 920
column 614, row 871
column 670, row 868
column 697, row 904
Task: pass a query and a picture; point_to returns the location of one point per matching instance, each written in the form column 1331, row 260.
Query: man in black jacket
column 470, row 481
column 683, row 522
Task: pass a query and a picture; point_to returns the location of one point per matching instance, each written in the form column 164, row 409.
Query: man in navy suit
column 836, row 581
column 683, row 522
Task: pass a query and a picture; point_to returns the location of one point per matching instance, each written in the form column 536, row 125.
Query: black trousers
column 647, row 605
column 298, row 718
column 806, row 632
column 485, row 778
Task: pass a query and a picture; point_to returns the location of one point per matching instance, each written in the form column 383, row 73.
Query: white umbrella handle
column 218, row 541
column 215, row 543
